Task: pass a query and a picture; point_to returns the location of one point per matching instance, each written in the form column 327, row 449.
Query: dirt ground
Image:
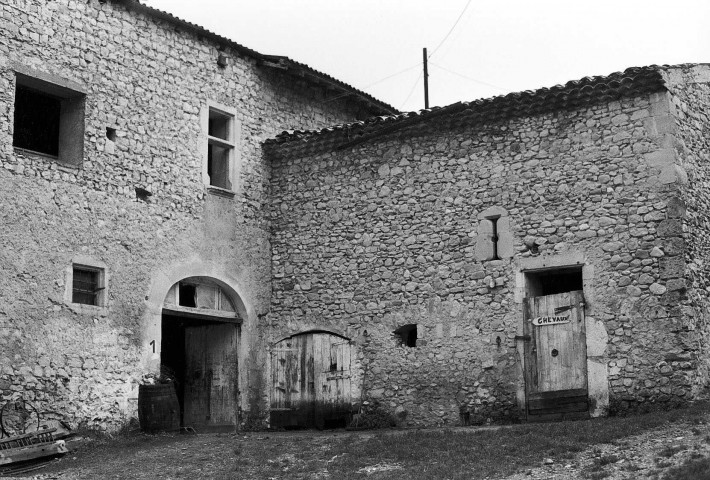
column 344, row 455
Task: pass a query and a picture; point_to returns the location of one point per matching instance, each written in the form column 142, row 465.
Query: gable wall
column 690, row 102
column 148, row 80
column 384, row 234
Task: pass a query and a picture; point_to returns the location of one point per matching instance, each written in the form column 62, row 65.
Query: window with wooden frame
column 87, row 285
column 48, row 120
column 220, row 148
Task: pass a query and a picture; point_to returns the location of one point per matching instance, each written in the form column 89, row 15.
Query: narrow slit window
column 494, row 236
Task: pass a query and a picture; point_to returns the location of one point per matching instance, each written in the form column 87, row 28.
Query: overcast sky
column 495, row 47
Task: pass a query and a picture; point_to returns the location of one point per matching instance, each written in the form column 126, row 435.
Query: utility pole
column 426, row 82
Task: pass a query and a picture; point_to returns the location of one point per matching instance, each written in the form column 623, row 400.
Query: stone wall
column 148, row 80
column 384, row 233
column 690, row 101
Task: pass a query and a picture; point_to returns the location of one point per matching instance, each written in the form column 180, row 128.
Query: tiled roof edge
column 588, row 90
column 377, row 106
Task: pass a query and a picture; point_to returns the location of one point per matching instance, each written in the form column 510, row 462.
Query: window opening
column 494, row 236
column 220, row 149
column 554, row 281
column 86, row 285
column 407, row 335
column 36, row 121
column 48, row 119
column 187, row 295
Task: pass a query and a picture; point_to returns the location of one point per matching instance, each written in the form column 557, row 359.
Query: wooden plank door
column 210, row 391
column 556, row 355
column 310, row 380
column 332, row 357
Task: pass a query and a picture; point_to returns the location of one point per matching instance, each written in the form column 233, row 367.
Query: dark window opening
column 86, row 285
column 407, row 335
column 219, row 125
column 187, row 295
column 218, row 166
column 36, row 121
column 551, row 282
column 111, row 134
column 334, row 366
column 220, row 149
column 494, row 236
column 48, row 119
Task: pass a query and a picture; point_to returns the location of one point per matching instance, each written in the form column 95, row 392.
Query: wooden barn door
column 311, row 381
column 556, row 356
column 210, row 390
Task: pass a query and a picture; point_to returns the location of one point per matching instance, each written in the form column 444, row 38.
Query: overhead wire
column 451, row 29
column 470, row 78
column 412, row 90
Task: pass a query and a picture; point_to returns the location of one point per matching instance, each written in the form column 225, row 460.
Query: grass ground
column 453, row 454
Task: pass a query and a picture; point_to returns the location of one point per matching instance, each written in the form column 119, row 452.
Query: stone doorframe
column 162, row 281
column 596, row 335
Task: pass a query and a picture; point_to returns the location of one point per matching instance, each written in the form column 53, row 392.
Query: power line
column 471, row 78
column 390, row 76
column 364, row 89
column 451, row 29
column 412, row 90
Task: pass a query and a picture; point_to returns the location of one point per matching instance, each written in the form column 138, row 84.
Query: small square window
column 220, row 149
column 407, row 335
column 49, row 120
column 87, row 285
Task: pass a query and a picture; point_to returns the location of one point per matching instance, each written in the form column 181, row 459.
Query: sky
column 476, row 48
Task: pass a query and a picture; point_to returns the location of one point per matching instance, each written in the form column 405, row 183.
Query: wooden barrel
column 158, row 408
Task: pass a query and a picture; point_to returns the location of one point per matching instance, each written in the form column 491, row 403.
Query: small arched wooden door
column 311, row 378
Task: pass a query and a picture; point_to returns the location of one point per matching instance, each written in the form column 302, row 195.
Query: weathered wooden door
column 311, row 381
column 556, row 355
column 210, row 390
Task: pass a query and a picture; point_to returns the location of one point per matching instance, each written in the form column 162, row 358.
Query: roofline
column 373, row 105
column 573, row 94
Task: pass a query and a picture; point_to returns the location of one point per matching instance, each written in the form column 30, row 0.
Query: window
column 87, row 285
column 407, row 335
column 220, row 148
column 494, row 240
column 49, row 119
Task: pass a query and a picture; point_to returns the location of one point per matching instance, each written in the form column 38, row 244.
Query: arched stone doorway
column 200, row 337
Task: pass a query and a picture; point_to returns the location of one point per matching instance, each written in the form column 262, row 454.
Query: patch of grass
column 671, row 450
column 693, row 468
column 453, row 454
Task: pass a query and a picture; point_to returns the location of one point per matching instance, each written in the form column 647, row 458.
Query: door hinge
column 524, row 338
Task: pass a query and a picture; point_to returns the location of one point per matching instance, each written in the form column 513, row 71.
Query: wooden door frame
column 194, row 319
column 596, row 334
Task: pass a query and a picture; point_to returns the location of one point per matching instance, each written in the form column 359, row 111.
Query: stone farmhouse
column 292, row 250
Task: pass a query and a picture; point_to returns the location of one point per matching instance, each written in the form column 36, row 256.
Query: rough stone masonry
column 415, row 238
column 145, row 80
column 378, row 225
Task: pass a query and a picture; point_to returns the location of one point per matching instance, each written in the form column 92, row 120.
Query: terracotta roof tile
column 585, row 91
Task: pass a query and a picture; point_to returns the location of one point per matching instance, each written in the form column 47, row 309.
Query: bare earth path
column 383, row 455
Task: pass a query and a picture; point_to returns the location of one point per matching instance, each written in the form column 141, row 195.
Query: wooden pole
column 426, row 82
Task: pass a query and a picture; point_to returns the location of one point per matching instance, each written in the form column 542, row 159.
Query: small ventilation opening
column 111, row 134
column 553, row 281
column 407, row 335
